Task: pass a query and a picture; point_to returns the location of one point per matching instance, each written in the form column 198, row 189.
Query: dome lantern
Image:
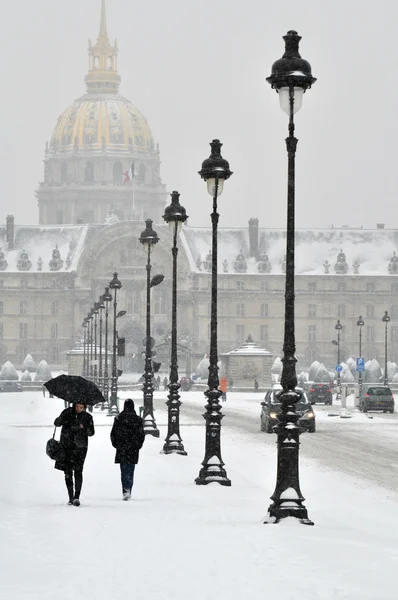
column 102, row 76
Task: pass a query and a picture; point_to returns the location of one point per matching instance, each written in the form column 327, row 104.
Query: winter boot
column 76, row 502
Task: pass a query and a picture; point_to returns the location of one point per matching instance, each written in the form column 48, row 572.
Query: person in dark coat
column 77, row 426
column 127, row 436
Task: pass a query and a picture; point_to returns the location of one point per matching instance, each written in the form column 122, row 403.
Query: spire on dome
column 102, row 74
column 103, row 30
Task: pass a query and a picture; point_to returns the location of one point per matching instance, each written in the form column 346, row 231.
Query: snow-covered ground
column 176, row 540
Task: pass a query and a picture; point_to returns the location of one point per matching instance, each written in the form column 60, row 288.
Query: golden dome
column 100, row 121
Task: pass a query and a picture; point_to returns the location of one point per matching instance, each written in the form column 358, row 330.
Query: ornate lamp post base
column 212, row 466
column 174, row 447
column 287, row 508
column 150, row 428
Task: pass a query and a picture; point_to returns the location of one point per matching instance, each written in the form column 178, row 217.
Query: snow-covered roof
column 370, row 249
column 39, row 242
column 249, row 347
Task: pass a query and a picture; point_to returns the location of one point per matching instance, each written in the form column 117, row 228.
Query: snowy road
column 177, row 540
column 362, row 447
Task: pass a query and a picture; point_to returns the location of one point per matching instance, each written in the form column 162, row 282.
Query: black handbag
column 54, row 449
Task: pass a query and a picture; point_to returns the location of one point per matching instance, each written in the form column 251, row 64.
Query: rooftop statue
column 240, row 265
column 24, row 264
column 341, row 266
column 3, row 262
column 207, row 262
column 56, row 262
column 264, row 265
column 393, row 264
column 327, row 266
column 356, row 265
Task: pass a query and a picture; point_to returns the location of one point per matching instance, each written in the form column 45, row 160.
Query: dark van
column 376, row 397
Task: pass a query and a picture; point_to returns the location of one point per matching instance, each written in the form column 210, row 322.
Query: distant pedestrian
column 165, row 382
column 44, row 390
column 127, row 436
column 77, row 426
column 223, row 388
column 255, row 385
column 231, row 383
column 158, row 382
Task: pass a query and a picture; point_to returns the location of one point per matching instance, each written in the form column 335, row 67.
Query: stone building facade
column 92, row 212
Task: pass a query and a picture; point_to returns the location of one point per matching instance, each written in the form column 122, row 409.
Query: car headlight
column 310, row 415
column 273, row 415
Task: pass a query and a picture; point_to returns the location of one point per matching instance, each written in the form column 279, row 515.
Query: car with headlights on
column 271, row 407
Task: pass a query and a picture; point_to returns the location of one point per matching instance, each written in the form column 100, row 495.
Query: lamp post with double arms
column 106, row 297
column 175, row 215
column 215, row 170
column 114, row 285
column 360, row 324
column 148, row 239
column 386, row 319
column 100, row 307
column 291, row 76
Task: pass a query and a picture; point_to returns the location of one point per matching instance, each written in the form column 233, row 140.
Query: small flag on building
column 129, row 175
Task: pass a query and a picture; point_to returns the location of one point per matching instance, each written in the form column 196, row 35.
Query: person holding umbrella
column 127, row 436
column 77, row 426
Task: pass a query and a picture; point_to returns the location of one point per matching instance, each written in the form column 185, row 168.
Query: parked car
column 10, row 386
column 320, row 392
column 376, row 397
column 271, row 408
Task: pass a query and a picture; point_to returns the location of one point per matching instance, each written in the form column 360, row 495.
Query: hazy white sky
column 196, row 70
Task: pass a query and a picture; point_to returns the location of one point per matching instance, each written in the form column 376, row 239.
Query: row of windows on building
column 370, row 335
column 24, row 331
column 50, row 283
column 24, row 307
column 312, row 286
column 89, row 172
column 369, row 313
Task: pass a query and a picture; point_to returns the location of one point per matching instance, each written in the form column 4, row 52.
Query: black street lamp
column 360, row 324
column 95, row 313
column 84, row 325
column 215, row 170
column 291, row 76
column 386, row 319
column 338, row 327
column 90, row 339
column 175, row 215
column 148, row 239
column 114, row 285
column 100, row 307
column 107, row 297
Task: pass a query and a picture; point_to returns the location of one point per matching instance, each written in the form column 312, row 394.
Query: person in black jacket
column 127, row 436
column 77, row 425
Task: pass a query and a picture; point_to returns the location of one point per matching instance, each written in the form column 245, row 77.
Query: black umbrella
column 75, row 389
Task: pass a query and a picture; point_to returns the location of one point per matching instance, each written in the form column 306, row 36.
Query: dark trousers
column 78, row 482
column 127, row 476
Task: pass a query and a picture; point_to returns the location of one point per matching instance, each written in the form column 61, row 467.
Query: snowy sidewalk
column 176, row 540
